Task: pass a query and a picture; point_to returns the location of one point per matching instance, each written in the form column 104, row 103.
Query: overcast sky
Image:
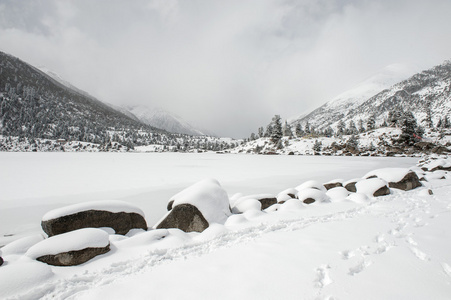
column 227, row 65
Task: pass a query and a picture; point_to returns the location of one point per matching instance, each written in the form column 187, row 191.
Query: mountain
column 340, row 107
column 160, row 118
column 36, row 105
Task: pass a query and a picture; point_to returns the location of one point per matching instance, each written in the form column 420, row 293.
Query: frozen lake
column 33, row 183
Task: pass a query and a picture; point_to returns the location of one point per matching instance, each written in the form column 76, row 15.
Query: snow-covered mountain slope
column 334, row 110
column 160, row 118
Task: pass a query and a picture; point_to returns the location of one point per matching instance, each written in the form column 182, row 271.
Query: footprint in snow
column 362, row 265
column 411, row 241
column 379, row 238
column 322, row 276
column 446, row 269
column 420, row 254
column 347, row 254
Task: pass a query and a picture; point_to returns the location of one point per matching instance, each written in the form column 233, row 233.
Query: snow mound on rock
column 389, row 174
column 313, row 193
column 22, row 245
column 337, row 194
column 114, row 206
column 311, row 184
column 370, row 186
column 71, row 241
column 245, row 204
column 208, row 197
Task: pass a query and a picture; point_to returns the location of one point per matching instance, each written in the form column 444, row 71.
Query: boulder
column 71, row 248
column 410, row 181
column 185, row 217
column 119, row 215
column 350, row 184
column 399, row 178
column 311, row 184
column 332, row 184
column 312, row 195
column 196, row 207
column 373, row 187
column 1, row 261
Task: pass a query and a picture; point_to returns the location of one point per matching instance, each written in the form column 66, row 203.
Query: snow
column 389, row 174
column 341, row 249
column 70, row 241
column 114, row 206
column 369, row 186
column 337, row 194
column 317, row 195
column 311, row 184
column 21, row 246
column 208, row 197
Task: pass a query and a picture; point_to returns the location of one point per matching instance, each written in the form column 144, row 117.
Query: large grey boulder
column 399, row 178
column 71, row 248
column 118, row 215
column 196, row 207
column 185, row 217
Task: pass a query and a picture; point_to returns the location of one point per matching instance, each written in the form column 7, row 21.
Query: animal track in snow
column 379, row 238
column 446, row 269
column 362, row 265
column 411, row 241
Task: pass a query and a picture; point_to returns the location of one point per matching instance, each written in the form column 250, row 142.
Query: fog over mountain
column 226, row 66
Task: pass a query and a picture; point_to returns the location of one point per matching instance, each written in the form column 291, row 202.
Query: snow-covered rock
column 119, row 215
column 373, row 187
column 246, row 204
column 291, row 192
column 312, row 195
column 337, row 194
column 311, row 184
column 350, row 184
column 197, row 206
column 71, row 248
column 400, row 178
column 333, row 183
column 22, row 245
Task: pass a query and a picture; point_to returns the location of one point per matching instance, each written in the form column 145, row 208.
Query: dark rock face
column 409, row 182
column 170, row 205
column 329, row 186
column 121, row 222
column 382, row 191
column 185, row 217
column 351, row 187
column 1, row 261
column 73, row 258
column 267, row 202
column 309, row 201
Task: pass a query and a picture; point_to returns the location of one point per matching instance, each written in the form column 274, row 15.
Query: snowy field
column 391, row 247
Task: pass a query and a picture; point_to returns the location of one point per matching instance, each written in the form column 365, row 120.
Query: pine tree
column 260, row 132
column 352, row 128
column 307, row 128
column 371, row 123
column 317, row 146
column 428, row 119
column 299, row 131
column 408, row 128
column 287, row 130
column 276, row 132
column 268, row 130
column 361, row 128
column 341, row 127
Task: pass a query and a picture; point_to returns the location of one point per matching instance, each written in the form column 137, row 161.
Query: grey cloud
column 226, row 65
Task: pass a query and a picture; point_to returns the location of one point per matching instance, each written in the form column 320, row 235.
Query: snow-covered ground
column 391, row 247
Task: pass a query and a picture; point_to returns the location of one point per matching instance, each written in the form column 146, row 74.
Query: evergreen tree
column 299, row 131
column 307, row 128
column 341, row 127
column 428, row 119
column 260, row 132
column 276, row 132
column 268, row 130
column 361, row 128
column 287, row 130
column 352, row 128
column 317, row 146
column 371, row 123
column 408, row 129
